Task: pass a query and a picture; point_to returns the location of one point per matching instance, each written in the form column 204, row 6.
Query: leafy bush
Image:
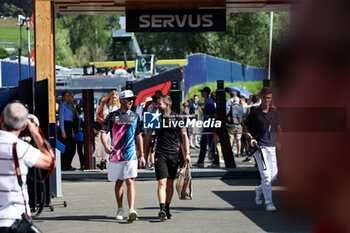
column 3, row 53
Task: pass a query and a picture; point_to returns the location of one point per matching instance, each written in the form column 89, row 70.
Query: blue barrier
column 9, row 73
column 7, row 94
column 203, row 68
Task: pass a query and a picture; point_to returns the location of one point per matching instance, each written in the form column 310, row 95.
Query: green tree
column 63, row 53
column 16, row 7
column 3, row 53
column 89, row 35
column 246, row 39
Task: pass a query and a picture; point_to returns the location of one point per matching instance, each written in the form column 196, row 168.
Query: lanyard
column 18, row 174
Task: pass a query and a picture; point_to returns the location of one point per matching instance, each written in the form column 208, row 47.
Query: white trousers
column 269, row 174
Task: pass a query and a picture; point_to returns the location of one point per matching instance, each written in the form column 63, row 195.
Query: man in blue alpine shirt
column 261, row 127
column 209, row 111
column 124, row 127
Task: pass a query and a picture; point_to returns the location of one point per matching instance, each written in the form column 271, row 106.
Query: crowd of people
column 121, row 129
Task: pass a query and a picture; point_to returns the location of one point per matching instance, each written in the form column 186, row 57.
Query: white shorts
column 122, row 171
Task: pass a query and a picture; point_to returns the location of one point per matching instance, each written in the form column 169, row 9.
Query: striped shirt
column 11, row 200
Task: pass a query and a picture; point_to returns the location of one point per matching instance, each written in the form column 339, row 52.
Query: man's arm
column 142, row 155
column 108, row 148
column 186, row 145
column 249, row 136
column 45, row 159
column 61, row 112
column 148, row 135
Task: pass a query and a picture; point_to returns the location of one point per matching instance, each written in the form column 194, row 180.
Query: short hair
column 233, row 94
column 14, row 116
column 64, row 93
column 167, row 99
column 155, row 98
column 195, row 96
column 265, row 91
column 255, row 99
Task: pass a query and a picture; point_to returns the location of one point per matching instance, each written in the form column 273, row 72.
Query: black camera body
column 24, row 225
column 252, row 150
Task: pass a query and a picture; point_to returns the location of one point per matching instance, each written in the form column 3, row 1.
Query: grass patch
column 253, row 87
column 12, row 34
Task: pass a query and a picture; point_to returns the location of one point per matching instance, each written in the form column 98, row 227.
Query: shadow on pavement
column 174, row 209
column 280, row 221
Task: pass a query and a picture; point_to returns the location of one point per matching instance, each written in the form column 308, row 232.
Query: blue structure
column 9, row 73
column 203, row 68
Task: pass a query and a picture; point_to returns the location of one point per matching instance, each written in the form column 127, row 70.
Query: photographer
column 261, row 127
column 13, row 198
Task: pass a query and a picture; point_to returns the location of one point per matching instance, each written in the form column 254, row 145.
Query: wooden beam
column 44, row 49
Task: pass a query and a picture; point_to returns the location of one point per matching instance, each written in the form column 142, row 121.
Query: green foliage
column 253, row 87
column 3, row 53
column 16, row 7
column 87, row 37
column 246, row 39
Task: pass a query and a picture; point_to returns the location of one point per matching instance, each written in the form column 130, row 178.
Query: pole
column 270, row 46
column 28, row 40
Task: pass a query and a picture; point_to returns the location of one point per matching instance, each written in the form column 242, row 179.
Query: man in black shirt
column 167, row 153
column 261, row 127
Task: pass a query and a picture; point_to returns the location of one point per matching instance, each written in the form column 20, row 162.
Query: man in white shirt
column 14, row 119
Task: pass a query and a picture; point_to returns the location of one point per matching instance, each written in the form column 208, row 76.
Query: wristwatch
column 188, row 153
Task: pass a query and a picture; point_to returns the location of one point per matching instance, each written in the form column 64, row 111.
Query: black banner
column 176, row 20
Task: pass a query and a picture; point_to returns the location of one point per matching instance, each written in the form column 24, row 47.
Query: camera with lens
column 252, row 150
column 24, row 225
column 25, row 134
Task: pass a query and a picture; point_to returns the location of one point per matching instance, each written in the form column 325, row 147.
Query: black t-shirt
column 263, row 126
column 168, row 137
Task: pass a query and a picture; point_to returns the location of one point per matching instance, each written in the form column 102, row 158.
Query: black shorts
column 166, row 165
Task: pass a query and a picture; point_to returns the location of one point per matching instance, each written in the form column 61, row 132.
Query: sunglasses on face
column 130, row 99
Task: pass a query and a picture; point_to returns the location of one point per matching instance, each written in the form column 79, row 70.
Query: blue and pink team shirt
column 123, row 128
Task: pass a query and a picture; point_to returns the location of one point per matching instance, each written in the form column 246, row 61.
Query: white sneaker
column 120, row 214
column 132, row 216
column 270, row 208
column 258, row 197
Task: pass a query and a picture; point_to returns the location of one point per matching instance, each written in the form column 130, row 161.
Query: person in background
column 14, row 119
column 261, row 127
column 209, row 111
column 194, row 114
column 244, row 140
column 108, row 104
column 66, row 129
column 234, row 113
column 255, row 102
column 153, row 142
column 79, row 137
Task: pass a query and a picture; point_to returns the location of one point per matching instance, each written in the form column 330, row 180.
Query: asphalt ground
column 217, row 206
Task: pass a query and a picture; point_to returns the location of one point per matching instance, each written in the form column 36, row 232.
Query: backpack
column 235, row 115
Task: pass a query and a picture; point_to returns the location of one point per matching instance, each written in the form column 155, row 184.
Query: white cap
column 127, row 94
column 148, row 99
